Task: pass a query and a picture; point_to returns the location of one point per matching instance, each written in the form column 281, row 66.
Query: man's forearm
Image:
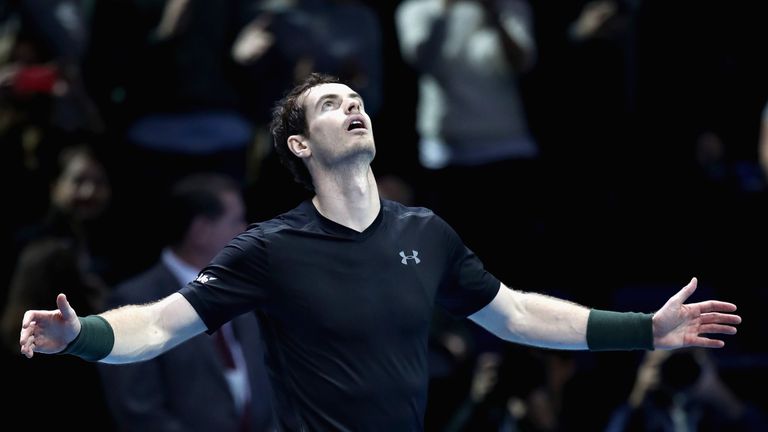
column 555, row 323
column 548, row 322
column 535, row 319
column 137, row 334
column 146, row 331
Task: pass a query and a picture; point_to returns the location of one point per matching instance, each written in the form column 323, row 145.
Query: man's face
column 339, row 129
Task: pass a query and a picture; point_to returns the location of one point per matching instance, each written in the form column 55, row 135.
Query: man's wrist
column 609, row 331
column 94, row 341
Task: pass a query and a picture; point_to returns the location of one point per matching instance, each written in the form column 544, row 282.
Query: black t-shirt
column 345, row 314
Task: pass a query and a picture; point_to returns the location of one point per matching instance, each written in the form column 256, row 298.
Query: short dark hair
column 195, row 195
column 289, row 118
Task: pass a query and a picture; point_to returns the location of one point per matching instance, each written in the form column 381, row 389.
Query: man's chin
column 360, row 155
column 363, row 149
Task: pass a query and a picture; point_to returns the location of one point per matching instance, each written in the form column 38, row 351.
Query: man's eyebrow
column 333, row 96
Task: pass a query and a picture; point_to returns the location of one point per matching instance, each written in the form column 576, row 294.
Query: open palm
column 678, row 325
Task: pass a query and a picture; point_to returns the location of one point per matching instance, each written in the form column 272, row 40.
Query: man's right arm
column 140, row 332
column 146, row 331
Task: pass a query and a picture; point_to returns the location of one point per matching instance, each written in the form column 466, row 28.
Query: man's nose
column 353, row 106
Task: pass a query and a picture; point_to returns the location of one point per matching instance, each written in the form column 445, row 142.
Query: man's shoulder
column 402, row 210
column 405, row 214
column 299, row 218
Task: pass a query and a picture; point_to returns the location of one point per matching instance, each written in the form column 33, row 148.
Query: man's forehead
column 321, row 90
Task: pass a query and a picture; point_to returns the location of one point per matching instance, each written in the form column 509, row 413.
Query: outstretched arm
column 548, row 322
column 140, row 331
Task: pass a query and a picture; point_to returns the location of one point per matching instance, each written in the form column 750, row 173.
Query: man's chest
column 359, row 289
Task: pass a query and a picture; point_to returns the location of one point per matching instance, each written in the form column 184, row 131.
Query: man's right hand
column 49, row 332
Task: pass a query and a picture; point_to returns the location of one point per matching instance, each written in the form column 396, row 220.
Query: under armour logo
column 414, row 257
column 204, row 278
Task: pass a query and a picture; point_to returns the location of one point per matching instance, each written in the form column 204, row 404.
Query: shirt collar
column 338, row 230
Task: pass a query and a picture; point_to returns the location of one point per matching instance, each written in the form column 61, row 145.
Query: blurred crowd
column 604, row 151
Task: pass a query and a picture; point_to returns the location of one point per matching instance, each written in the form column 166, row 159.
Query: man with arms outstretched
column 344, row 286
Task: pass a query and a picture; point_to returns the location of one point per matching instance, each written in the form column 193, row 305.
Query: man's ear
column 299, row 146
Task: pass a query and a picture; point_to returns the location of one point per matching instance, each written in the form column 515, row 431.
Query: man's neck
column 351, row 201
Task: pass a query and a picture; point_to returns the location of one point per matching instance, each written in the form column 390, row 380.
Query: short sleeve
column 235, row 282
column 466, row 286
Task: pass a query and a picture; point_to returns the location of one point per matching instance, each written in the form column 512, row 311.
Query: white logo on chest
column 414, row 256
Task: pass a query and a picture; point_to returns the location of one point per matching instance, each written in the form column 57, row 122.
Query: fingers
column 67, row 313
column 27, row 352
column 715, row 306
column 717, row 329
column 27, row 339
column 707, row 343
column 27, row 335
column 29, row 316
column 720, row 318
column 686, row 292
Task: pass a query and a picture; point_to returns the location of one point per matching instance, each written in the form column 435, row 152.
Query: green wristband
column 609, row 331
column 95, row 340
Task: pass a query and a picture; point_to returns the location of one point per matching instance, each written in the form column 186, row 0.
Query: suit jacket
column 183, row 389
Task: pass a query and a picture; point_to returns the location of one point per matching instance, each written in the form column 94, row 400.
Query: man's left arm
column 548, row 322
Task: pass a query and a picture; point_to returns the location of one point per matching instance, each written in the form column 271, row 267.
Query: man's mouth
column 356, row 123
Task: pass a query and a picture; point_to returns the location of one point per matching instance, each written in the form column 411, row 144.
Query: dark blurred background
column 647, row 116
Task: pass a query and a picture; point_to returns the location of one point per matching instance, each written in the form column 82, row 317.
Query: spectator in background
column 166, row 78
column 228, row 371
column 503, row 399
column 763, row 148
column 469, row 54
column 58, row 257
column 43, row 103
column 471, row 119
column 47, row 45
column 337, row 37
column 682, row 391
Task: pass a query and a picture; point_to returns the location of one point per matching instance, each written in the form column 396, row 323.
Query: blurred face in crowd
column 216, row 233
column 82, row 189
column 229, row 224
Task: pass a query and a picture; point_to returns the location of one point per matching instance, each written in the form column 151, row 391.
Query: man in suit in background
column 210, row 383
